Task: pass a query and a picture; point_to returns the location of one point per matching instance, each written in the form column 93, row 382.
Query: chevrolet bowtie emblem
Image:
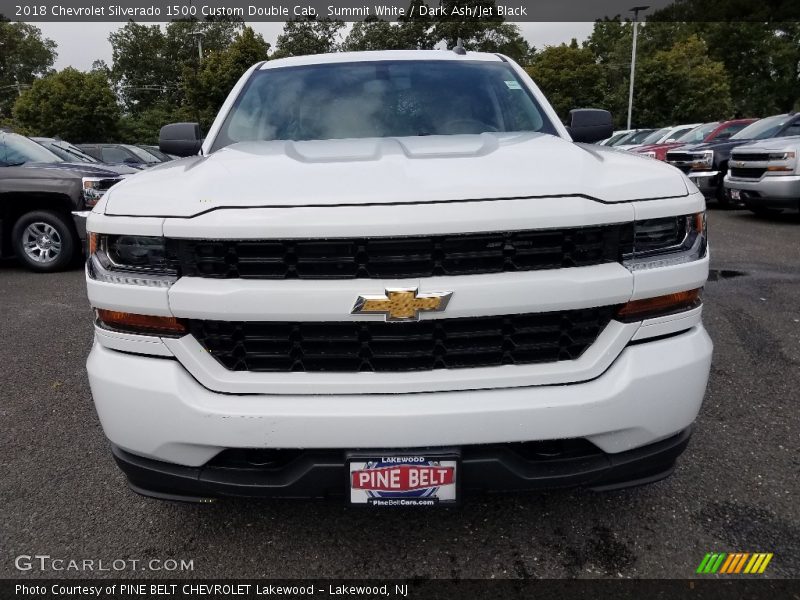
column 401, row 304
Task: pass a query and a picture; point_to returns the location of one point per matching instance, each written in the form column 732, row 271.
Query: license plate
column 736, row 195
column 424, row 480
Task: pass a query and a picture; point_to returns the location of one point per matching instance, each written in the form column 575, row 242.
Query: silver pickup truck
column 765, row 175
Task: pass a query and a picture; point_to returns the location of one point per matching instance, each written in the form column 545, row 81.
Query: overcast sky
column 80, row 44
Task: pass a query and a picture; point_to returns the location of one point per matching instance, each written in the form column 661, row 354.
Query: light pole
column 199, row 35
column 635, row 10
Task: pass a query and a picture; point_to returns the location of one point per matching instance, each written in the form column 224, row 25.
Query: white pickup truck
column 396, row 277
column 765, row 175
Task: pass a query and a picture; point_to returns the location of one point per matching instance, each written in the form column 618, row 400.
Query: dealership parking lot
column 735, row 489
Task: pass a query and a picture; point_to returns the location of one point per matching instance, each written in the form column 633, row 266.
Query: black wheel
column 44, row 241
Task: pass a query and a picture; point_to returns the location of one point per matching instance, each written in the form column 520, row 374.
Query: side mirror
column 589, row 124
column 181, row 139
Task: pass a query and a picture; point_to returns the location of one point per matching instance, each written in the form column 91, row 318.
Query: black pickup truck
column 44, row 203
column 706, row 164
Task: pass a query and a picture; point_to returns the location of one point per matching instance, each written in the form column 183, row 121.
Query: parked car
column 424, row 301
column 718, row 130
column 660, row 136
column 120, row 153
column 706, row 164
column 634, row 138
column 44, row 202
column 70, row 153
column 765, row 176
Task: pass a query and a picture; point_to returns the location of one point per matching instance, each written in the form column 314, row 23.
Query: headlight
column 666, row 241
column 702, row 161
column 94, row 188
column 131, row 259
column 781, row 155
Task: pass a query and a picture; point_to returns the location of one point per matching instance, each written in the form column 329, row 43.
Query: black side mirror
column 181, row 139
column 590, row 124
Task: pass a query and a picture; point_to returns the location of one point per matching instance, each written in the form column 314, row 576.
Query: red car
column 718, row 130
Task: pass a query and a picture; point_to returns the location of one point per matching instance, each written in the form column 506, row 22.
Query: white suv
column 395, row 277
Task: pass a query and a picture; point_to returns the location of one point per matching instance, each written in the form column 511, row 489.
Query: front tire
column 44, row 241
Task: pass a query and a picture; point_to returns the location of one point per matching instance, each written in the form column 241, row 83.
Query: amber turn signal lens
column 648, row 308
column 94, row 242
column 147, row 324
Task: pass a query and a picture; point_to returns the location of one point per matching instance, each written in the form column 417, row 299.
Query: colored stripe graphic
column 734, row 563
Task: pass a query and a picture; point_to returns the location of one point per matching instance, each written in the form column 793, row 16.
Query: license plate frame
column 440, row 468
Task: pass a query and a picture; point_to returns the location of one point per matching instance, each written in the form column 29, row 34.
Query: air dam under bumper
column 320, row 474
column 152, row 408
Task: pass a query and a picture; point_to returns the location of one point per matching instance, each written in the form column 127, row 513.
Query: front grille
column 353, row 346
column 105, row 184
column 750, row 157
column 747, row 173
column 683, row 158
column 402, row 257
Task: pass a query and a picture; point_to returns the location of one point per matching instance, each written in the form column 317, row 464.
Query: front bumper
column 706, row 181
column 153, row 408
column 779, row 192
column 79, row 218
column 322, row 473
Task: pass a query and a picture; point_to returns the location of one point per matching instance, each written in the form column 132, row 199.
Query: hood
column 390, row 171
column 722, row 145
column 781, row 143
column 78, row 169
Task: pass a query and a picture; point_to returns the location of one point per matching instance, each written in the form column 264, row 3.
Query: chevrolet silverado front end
column 394, row 277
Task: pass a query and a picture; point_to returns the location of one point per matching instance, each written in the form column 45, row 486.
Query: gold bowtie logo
column 401, row 304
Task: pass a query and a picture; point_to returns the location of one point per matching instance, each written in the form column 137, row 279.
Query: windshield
column 634, row 137
column 144, row 155
column 68, row 152
column 381, row 99
column 18, row 150
column 699, row 133
column 616, row 138
column 765, row 128
column 654, row 137
column 157, row 153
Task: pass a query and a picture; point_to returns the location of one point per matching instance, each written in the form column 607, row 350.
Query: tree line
column 686, row 72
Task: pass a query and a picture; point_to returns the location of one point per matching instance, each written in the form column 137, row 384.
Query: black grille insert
column 750, row 157
column 748, row 173
column 401, row 257
column 353, row 346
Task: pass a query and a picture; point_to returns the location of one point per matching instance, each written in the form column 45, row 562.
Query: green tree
column 480, row 35
column 74, row 105
column 143, row 127
column 376, row 34
column 207, row 89
column 24, row 55
column 149, row 62
column 570, row 77
column 308, row 35
column 680, row 85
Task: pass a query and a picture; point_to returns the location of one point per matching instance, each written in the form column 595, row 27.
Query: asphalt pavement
column 735, row 489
